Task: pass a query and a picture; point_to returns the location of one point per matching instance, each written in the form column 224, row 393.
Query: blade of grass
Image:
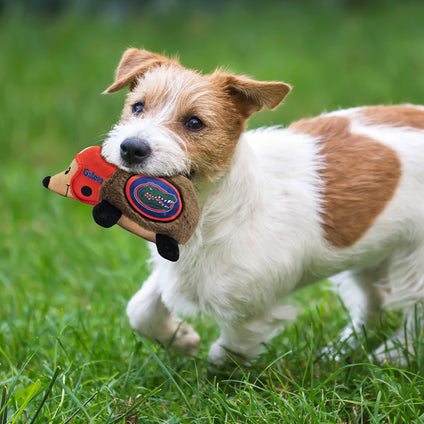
column 136, row 404
column 3, row 406
column 62, row 398
column 15, row 381
column 80, row 408
column 46, row 395
column 35, row 387
column 167, row 372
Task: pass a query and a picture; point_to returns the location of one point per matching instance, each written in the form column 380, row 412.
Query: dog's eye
column 67, row 171
column 193, row 123
column 137, row 108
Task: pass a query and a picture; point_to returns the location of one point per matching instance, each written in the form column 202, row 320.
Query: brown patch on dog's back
column 360, row 176
column 396, row 116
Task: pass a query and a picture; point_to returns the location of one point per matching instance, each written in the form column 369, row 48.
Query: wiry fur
column 261, row 233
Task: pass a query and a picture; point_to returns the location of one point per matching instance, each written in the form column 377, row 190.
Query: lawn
column 67, row 352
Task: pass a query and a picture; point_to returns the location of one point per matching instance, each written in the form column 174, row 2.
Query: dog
column 341, row 195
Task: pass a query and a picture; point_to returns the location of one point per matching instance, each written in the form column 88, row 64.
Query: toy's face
column 61, row 183
column 83, row 178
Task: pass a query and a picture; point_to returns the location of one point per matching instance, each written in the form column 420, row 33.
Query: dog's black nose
column 134, row 150
column 46, row 181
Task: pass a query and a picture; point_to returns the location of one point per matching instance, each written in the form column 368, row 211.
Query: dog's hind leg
column 362, row 294
column 406, row 285
column 242, row 341
column 151, row 318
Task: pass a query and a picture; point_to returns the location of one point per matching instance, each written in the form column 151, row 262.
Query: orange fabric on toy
column 92, row 171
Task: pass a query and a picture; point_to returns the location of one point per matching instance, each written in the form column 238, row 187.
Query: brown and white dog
column 340, row 194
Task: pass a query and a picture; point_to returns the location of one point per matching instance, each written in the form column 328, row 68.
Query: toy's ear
column 60, row 183
column 135, row 62
column 251, row 96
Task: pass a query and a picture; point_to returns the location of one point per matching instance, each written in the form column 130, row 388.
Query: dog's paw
column 185, row 340
column 217, row 355
column 391, row 353
column 220, row 357
column 346, row 343
column 331, row 352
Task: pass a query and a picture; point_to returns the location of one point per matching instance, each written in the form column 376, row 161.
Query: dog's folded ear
column 251, row 96
column 134, row 63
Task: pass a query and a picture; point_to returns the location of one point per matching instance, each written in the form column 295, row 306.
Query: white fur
column 168, row 155
column 259, row 238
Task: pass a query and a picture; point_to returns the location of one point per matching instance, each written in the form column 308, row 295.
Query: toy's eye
column 137, row 108
column 86, row 191
column 67, row 171
column 193, row 123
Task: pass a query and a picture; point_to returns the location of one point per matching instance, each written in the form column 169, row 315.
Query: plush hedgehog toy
column 162, row 210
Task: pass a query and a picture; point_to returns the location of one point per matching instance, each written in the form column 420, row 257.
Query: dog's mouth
column 157, row 163
column 190, row 174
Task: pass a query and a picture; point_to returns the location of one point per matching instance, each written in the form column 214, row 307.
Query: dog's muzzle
column 134, row 151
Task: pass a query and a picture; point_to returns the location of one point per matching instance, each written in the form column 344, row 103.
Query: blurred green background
column 335, row 54
column 64, row 282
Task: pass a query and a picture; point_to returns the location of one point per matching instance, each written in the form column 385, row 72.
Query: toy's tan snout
column 60, row 183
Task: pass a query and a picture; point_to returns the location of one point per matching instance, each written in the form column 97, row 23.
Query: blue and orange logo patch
column 154, row 198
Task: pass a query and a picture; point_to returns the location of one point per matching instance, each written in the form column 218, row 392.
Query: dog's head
column 177, row 121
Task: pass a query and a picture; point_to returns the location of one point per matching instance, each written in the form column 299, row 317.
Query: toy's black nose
column 134, row 150
column 46, row 181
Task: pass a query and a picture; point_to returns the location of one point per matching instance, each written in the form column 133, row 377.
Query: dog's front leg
column 151, row 318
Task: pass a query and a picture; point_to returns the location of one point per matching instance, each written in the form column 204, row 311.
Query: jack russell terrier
column 341, row 194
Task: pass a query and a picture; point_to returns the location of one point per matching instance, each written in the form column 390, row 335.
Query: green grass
column 67, row 352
